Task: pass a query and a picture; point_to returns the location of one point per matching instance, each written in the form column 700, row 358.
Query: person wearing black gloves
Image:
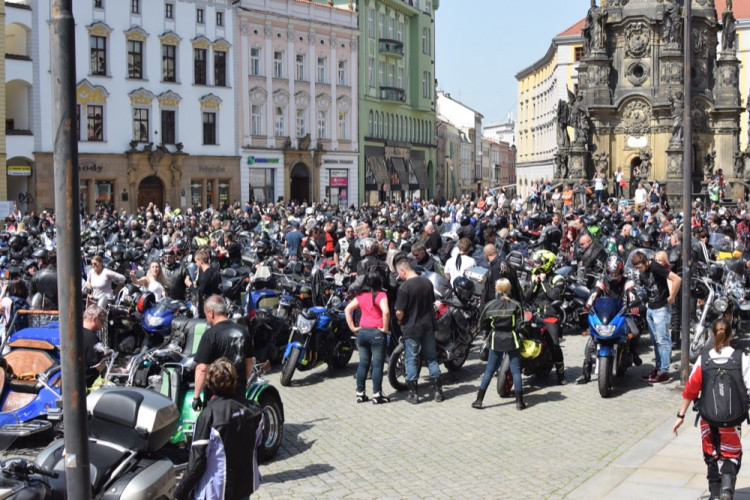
column 223, row 456
column 225, row 339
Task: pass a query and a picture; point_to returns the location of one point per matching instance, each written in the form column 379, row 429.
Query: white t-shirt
column 455, row 271
column 598, row 184
column 157, row 288
column 640, row 195
column 101, row 284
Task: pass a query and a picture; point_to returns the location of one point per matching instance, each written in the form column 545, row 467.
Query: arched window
column 369, row 124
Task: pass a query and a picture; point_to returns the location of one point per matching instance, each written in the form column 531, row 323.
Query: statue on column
column 671, row 31
column 677, row 113
column 645, row 169
column 563, row 120
column 579, row 117
column 739, row 165
column 709, row 164
column 561, row 166
column 594, row 37
column 602, row 163
column 728, row 31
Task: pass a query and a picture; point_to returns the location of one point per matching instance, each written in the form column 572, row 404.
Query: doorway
column 635, row 178
column 299, row 188
column 151, row 190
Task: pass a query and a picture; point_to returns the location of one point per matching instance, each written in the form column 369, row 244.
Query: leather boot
column 438, row 383
column 714, row 489
column 560, row 368
column 412, row 398
column 480, row 397
column 585, row 377
column 520, row 405
column 727, row 486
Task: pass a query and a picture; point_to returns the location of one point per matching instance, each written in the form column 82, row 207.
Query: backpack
column 724, row 401
column 444, row 253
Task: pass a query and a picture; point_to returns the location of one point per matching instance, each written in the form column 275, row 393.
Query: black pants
column 553, row 328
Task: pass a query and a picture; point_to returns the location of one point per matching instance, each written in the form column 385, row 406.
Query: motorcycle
column 127, row 426
column 536, row 354
column 457, row 319
column 157, row 320
column 612, row 333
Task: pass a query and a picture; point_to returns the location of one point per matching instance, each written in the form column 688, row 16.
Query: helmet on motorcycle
column 416, row 227
column 530, row 349
column 542, row 261
column 34, row 231
column 614, row 269
column 464, row 288
column 145, row 301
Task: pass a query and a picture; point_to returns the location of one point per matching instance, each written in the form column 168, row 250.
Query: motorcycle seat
column 28, row 362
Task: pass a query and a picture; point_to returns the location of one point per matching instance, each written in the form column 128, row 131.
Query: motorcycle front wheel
column 290, row 365
column 273, row 426
column 605, row 376
column 454, row 364
column 504, row 378
column 342, row 354
column 397, row 368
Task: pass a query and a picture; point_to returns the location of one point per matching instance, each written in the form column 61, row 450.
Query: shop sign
column 211, row 170
column 336, row 161
column 19, row 170
column 252, row 160
column 90, row 167
column 339, row 178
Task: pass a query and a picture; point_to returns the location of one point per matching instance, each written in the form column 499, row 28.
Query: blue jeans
column 429, row 355
column 494, row 360
column 599, row 197
column 658, row 324
column 371, row 346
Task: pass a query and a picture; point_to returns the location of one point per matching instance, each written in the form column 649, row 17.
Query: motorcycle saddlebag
column 515, row 260
column 477, row 275
column 139, row 419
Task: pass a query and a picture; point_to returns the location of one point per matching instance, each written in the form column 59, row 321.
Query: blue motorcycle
column 612, row 334
column 157, row 320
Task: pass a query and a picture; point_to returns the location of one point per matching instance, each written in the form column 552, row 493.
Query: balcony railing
column 388, row 46
column 392, row 94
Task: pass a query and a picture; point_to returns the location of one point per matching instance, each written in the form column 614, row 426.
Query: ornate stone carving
column 672, row 27
column 268, row 31
column 671, row 72
column 637, row 73
column 258, row 95
column 136, row 33
column 201, row 42
column 645, row 168
column 674, row 164
column 700, row 113
column 244, row 28
column 636, row 117
column 343, row 103
column 700, row 43
column 301, row 100
column 141, row 97
column 728, row 76
column 87, row 93
column 169, row 99
column 210, row 102
column 638, row 37
column 323, row 102
column 601, row 161
column 699, row 73
column 598, row 76
column 281, row 97
column 170, row 38
column 290, row 34
column 677, row 107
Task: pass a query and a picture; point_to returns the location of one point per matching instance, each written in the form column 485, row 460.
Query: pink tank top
column 372, row 316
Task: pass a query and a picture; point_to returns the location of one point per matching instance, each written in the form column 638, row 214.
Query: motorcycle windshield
column 166, row 305
column 606, row 308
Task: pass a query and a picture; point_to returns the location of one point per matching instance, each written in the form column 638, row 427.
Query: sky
column 480, row 45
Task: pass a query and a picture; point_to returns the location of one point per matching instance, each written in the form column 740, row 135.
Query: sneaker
column 379, row 399
column 650, row 375
column 362, row 398
column 659, row 378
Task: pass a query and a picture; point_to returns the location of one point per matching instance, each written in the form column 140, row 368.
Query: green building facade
column 397, row 140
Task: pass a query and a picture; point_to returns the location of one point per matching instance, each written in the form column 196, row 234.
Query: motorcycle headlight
column 605, row 330
column 305, row 325
column 721, row 305
column 153, row 321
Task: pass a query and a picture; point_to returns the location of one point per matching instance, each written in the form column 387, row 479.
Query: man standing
column 416, row 315
column 433, row 241
column 225, row 339
column 175, row 273
column 654, row 278
column 293, row 240
column 208, row 282
column 93, row 349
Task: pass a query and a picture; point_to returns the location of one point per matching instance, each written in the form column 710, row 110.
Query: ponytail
column 722, row 332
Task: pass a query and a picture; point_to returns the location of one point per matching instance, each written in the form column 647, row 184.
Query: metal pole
column 69, row 249
column 687, row 156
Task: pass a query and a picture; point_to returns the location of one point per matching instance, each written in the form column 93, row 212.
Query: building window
column 209, row 128
column 168, row 131
column 135, row 6
column 168, row 9
column 220, row 68
column 342, row 73
column 301, row 123
column 369, row 124
column 299, row 73
column 391, row 75
column 199, row 16
column 279, row 126
column 381, row 25
column 391, row 31
column 140, row 124
column 135, row 59
column 371, row 70
column 343, row 126
column 322, row 63
column 426, row 84
column 400, row 32
column 381, row 74
column 255, row 62
column 169, row 63
column 400, row 78
column 578, row 53
column 426, row 41
column 199, row 61
column 98, row 4
column 196, row 193
column 219, row 19
column 371, row 23
column 98, row 55
column 322, row 125
column 223, row 187
column 278, row 64
column 256, row 121
column 95, row 123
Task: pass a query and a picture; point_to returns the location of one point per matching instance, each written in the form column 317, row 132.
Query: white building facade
column 297, row 101
column 155, row 103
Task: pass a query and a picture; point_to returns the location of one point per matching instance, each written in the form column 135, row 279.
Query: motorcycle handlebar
column 25, row 467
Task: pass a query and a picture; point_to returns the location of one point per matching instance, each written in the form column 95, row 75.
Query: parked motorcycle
column 612, row 333
column 536, row 354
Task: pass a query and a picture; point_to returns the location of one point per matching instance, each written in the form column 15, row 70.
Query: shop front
column 261, row 176
column 339, row 179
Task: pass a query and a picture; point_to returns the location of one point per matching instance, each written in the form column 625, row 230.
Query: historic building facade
column 297, row 101
column 155, row 104
column 397, row 99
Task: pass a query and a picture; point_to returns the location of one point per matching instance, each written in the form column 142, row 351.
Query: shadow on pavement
column 308, row 470
column 293, row 444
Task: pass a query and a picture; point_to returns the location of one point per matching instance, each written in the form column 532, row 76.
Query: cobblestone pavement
column 336, row 448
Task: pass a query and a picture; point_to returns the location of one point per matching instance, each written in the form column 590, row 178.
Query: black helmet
column 262, row 247
column 465, row 220
column 30, row 263
column 40, row 253
column 644, row 240
column 464, row 288
column 34, row 231
column 614, row 269
column 16, row 242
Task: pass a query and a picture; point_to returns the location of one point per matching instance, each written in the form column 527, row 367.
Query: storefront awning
column 400, row 168
column 376, row 165
column 420, row 172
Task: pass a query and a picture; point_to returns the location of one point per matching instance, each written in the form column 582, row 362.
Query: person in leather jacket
column 175, row 273
column 591, row 255
column 420, row 257
column 551, row 235
column 45, row 281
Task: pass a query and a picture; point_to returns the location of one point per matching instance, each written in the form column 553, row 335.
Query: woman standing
column 372, row 335
column 501, row 317
column 101, row 281
column 599, row 189
column 154, row 280
column 718, row 443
